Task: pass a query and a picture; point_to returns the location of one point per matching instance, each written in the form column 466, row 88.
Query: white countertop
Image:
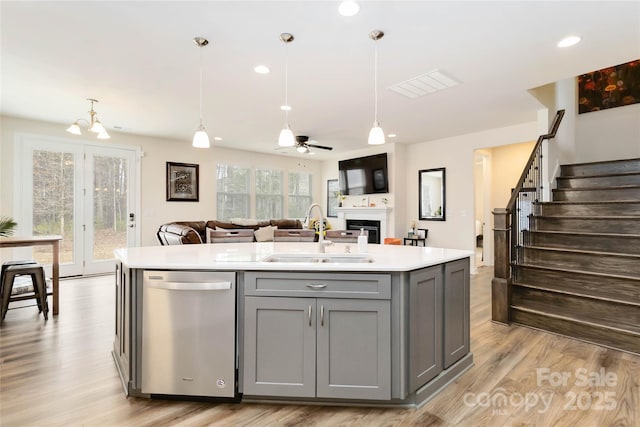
column 249, row 256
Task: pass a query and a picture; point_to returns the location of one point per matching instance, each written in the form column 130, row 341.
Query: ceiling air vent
column 424, row 84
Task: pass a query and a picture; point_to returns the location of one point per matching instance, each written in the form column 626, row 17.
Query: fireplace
column 378, row 218
column 373, row 227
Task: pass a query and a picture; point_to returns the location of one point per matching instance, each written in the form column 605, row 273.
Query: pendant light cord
column 201, row 86
column 375, row 84
column 286, row 83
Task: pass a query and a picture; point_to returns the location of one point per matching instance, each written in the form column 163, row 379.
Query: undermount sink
column 338, row 258
column 292, row 258
column 320, row 258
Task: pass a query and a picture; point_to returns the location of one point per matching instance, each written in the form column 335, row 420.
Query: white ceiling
column 139, row 60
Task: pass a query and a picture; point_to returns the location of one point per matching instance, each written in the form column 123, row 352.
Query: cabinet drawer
column 326, row 285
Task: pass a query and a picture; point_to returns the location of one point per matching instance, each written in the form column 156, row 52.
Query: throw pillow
column 264, row 234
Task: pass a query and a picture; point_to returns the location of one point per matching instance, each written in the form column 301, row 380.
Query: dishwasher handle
column 190, row 286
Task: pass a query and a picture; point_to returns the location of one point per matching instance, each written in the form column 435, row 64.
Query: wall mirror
column 432, row 194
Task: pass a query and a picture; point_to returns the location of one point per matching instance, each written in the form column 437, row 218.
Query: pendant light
column 286, row 138
column 200, row 138
column 376, row 135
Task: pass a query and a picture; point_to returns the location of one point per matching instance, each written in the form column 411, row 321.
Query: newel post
column 501, row 282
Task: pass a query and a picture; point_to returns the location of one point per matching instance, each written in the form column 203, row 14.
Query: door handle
column 322, row 315
column 187, row 286
column 316, row 285
column 309, row 315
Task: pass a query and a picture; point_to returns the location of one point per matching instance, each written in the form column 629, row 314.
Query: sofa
column 195, row 232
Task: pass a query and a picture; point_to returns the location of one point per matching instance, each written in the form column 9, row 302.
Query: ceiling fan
column 302, row 145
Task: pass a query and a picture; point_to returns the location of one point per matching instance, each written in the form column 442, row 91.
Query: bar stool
column 36, row 271
column 6, row 265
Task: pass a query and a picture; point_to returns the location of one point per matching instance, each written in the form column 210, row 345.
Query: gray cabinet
column 280, row 346
column 456, row 311
column 438, row 320
column 425, row 330
column 313, row 346
column 353, row 352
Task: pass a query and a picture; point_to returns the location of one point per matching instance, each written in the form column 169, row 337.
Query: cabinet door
column 279, row 346
column 354, row 349
column 456, row 311
column 425, row 325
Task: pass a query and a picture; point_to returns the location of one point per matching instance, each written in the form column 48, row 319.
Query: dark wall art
column 610, row 87
column 182, row 182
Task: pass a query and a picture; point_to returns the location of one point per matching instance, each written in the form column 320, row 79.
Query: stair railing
column 509, row 224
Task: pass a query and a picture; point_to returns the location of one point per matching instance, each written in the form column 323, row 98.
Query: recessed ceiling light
column 569, row 41
column 392, row 135
column 261, row 69
column 285, row 107
column 217, row 138
column 348, row 8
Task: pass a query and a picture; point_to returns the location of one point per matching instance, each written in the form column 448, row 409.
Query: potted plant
column 7, row 225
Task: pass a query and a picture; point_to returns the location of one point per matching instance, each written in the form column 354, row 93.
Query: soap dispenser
column 363, row 239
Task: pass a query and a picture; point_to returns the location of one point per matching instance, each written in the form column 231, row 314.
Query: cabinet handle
column 316, row 285
column 309, row 315
column 322, row 315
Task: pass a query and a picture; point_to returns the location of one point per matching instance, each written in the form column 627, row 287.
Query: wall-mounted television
column 364, row 175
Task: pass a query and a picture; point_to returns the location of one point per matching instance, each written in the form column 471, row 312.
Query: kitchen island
column 389, row 327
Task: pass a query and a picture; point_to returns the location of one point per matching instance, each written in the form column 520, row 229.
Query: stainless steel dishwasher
column 189, row 333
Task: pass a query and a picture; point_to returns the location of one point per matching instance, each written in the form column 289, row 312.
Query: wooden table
column 54, row 241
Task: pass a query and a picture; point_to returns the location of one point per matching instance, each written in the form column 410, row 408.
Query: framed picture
column 182, row 182
column 332, row 198
column 609, row 87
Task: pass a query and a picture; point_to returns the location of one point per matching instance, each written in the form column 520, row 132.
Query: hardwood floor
column 60, row 373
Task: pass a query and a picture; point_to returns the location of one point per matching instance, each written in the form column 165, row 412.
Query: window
column 299, row 194
column 268, row 194
column 233, row 192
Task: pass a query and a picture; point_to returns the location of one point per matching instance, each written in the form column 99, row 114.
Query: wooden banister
column 509, row 223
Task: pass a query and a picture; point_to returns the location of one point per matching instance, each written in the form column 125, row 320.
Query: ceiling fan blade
column 322, row 147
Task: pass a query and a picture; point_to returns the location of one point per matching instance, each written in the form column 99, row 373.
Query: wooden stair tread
column 576, row 294
column 582, row 251
column 592, row 217
column 608, row 187
column 569, row 270
column 627, row 173
column 580, row 321
column 588, row 202
column 583, row 233
column 603, row 162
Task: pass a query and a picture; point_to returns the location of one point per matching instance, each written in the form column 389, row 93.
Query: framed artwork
column 182, row 182
column 609, row 87
column 332, row 197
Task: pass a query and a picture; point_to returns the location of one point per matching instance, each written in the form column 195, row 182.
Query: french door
column 84, row 192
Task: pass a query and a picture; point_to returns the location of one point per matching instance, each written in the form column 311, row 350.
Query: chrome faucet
column 321, row 242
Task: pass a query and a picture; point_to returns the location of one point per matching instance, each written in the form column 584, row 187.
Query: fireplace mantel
column 367, row 213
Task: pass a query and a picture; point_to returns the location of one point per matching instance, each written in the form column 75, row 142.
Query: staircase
column 577, row 269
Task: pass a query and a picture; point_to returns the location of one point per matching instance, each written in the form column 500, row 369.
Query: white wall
column 508, row 162
column 456, row 154
column 155, row 210
column 609, row 134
